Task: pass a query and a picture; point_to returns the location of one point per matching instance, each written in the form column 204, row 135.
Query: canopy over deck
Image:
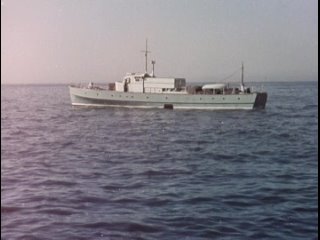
column 214, row 86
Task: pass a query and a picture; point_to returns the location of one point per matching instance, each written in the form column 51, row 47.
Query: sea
column 120, row 173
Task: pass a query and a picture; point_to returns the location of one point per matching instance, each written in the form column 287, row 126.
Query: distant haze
column 76, row 41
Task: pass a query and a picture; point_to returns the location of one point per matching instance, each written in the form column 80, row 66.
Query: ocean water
column 117, row 173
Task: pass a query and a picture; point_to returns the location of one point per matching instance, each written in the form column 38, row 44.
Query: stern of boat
column 261, row 100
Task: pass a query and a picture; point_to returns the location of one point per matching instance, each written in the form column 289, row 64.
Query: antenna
column 146, row 54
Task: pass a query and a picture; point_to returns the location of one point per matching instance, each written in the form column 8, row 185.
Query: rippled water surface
column 117, row 173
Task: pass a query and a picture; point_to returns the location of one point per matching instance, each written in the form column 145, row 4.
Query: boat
column 144, row 90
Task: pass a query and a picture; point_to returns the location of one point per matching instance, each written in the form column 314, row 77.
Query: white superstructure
column 144, row 83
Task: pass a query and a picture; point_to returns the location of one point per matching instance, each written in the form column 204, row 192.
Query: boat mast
column 242, row 83
column 146, row 55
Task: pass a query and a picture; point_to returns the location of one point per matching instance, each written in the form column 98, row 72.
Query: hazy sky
column 76, row 41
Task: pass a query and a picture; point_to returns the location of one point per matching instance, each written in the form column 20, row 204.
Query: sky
column 77, row 41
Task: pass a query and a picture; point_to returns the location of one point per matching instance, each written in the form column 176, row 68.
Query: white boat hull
column 106, row 98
